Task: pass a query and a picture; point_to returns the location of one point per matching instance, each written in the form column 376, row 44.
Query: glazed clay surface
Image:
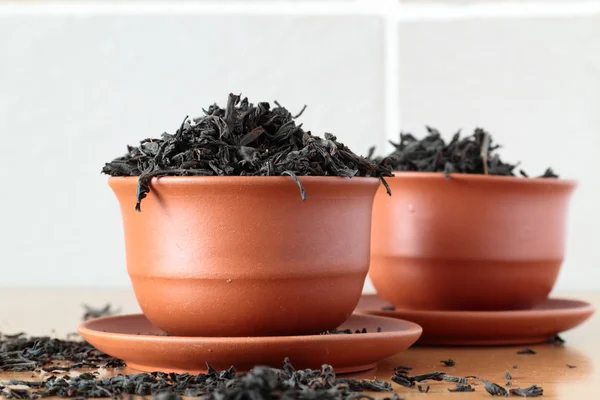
column 470, row 242
column 245, row 256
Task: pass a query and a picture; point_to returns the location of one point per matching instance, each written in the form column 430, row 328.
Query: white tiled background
column 80, row 80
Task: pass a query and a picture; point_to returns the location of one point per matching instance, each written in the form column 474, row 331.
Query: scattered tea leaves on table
column 531, row 391
column 515, row 366
column 494, row 389
column 526, row 351
column 474, row 154
column 241, row 139
column 571, row 366
column 449, row 362
column 91, row 312
column 402, row 378
column 460, row 387
column 260, row 383
column 21, row 353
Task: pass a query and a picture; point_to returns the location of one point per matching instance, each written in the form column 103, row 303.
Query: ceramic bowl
column 245, row 256
column 470, row 242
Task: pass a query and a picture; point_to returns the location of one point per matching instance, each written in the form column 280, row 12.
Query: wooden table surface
column 58, row 311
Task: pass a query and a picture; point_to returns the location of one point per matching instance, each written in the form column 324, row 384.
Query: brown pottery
column 246, row 256
column 144, row 347
column 469, row 242
column 486, row 328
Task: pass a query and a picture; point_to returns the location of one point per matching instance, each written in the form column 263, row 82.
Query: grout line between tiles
column 388, row 8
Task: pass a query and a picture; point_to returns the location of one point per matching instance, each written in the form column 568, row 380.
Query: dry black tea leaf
column 455, row 379
column 460, row 387
column 403, row 380
column 474, row 154
column 526, row 351
column 508, row 377
column 549, row 173
column 556, row 340
column 423, row 388
column 403, row 368
column 494, row 389
column 449, row 362
column 531, row 391
column 357, row 385
column 241, row 139
column 388, row 308
column 431, row 376
column 91, row 312
column 347, row 331
column 571, row 366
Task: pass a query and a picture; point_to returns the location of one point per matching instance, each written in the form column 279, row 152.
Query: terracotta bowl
column 245, row 256
column 471, row 242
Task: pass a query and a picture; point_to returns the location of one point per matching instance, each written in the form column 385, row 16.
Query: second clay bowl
column 468, row 242
column 245, row 256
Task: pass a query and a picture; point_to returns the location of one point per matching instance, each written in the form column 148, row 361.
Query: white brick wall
column 79, row 81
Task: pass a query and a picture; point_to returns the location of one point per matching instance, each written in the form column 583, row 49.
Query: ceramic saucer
column 535, row 325
column 144, row 347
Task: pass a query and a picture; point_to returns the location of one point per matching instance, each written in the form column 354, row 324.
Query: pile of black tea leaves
column 260, row 383
column 242, row 139
column 19, row 353
column 474, row 154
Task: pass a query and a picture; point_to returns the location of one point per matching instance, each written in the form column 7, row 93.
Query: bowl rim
column 248, row 180
column 482, row 178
